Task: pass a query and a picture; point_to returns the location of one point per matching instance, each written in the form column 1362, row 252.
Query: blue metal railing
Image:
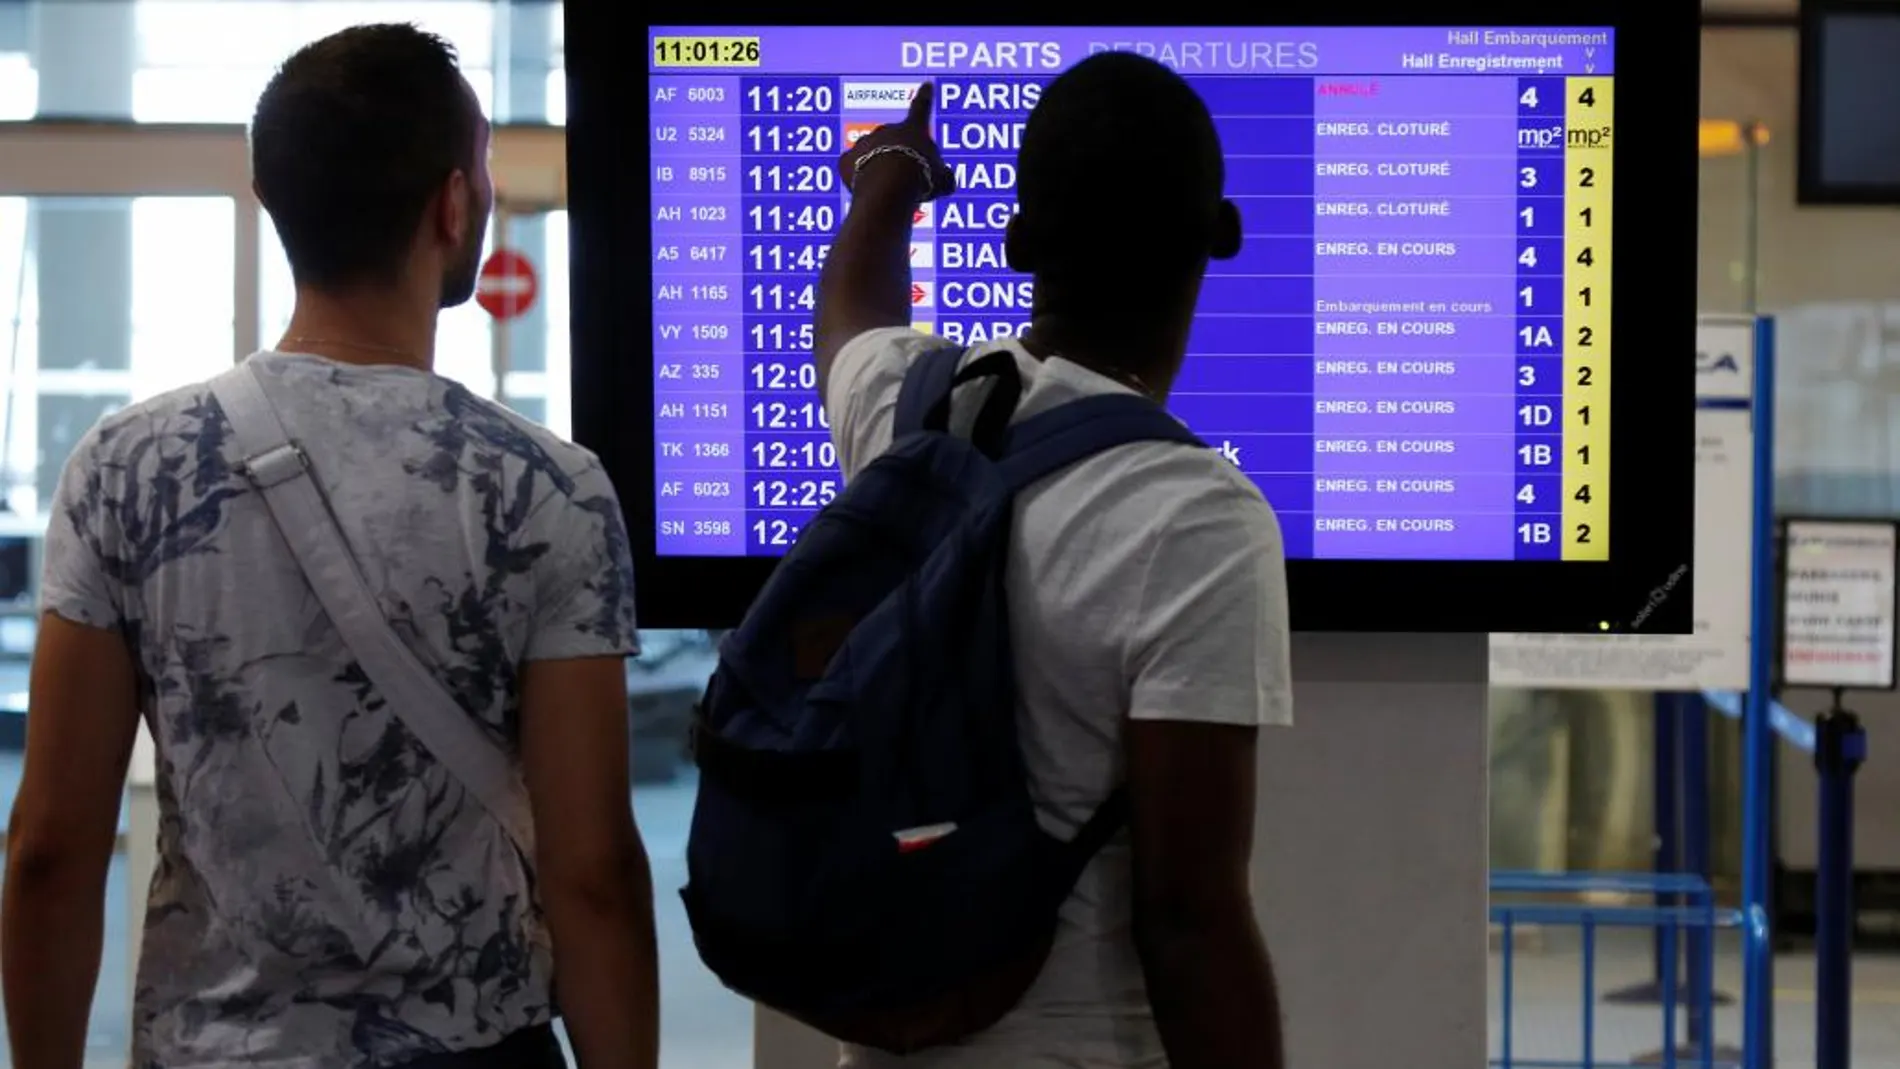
column 1697, row 913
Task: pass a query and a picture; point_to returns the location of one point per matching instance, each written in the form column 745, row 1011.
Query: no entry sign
column 507, row 286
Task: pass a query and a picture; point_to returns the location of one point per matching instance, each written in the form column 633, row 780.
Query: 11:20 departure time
column 791, row 178
column 797, row 98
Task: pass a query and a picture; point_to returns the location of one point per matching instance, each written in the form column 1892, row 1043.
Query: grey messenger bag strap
column 279, row 470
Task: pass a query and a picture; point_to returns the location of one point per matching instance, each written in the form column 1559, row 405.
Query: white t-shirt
column 1146, row 582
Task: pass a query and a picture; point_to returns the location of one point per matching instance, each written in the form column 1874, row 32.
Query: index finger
column 920, row 104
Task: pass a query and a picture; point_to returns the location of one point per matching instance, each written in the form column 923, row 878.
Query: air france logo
column 878, row 96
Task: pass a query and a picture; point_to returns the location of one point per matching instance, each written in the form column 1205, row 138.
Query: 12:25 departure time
column 794, row 493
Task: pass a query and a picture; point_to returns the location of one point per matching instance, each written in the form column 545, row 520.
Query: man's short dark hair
column 351, row 138
column 1120, row 172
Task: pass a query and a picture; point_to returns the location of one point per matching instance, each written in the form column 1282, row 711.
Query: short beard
column 459, row 284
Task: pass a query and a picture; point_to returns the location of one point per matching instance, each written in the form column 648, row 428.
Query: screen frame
column 1652, row 476
column 1811, row 185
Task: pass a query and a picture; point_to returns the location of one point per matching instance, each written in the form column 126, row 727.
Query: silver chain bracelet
column 923, row 165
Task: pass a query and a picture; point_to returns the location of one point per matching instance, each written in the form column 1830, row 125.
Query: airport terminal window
column 19, row 87
column 21, row 343
column 187, row 75
column 552, row 385
column 511, row 51
column 1837, row 438
column 103, row 301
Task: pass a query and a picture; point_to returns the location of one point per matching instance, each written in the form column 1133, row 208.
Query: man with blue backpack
column 978, row 767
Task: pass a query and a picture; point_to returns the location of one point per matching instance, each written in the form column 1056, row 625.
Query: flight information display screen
column 1411, row 355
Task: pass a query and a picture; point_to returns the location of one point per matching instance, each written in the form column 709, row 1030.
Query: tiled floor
column 708, row 1028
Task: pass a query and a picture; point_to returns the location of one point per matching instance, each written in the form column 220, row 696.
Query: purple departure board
column 1410, row 356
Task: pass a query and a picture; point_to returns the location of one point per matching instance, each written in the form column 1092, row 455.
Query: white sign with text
column 1716, row 656
column 1838, row 604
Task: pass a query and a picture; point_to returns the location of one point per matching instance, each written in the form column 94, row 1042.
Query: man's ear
column 1227, row 232
column 1019, row 246
column 454, row 209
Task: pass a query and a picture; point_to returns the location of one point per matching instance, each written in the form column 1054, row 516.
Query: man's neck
column 1144, row 361
column 363, row 328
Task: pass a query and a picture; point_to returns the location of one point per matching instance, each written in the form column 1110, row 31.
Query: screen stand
column 1370, row 859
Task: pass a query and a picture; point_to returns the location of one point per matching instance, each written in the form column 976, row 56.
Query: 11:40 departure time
column 778, row 219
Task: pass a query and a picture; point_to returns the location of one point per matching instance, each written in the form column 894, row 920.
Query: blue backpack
column 865, row 855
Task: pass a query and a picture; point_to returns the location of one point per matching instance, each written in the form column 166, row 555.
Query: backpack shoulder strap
column 930, row 379
column 279, row 470
column 1047, row 442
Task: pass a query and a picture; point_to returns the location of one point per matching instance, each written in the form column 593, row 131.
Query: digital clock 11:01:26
column 705, row 51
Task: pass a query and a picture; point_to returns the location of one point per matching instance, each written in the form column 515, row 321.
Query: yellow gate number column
column 1586, row 441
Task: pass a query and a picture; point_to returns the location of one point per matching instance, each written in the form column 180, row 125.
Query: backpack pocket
column 900, row 947
column 960, row 940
